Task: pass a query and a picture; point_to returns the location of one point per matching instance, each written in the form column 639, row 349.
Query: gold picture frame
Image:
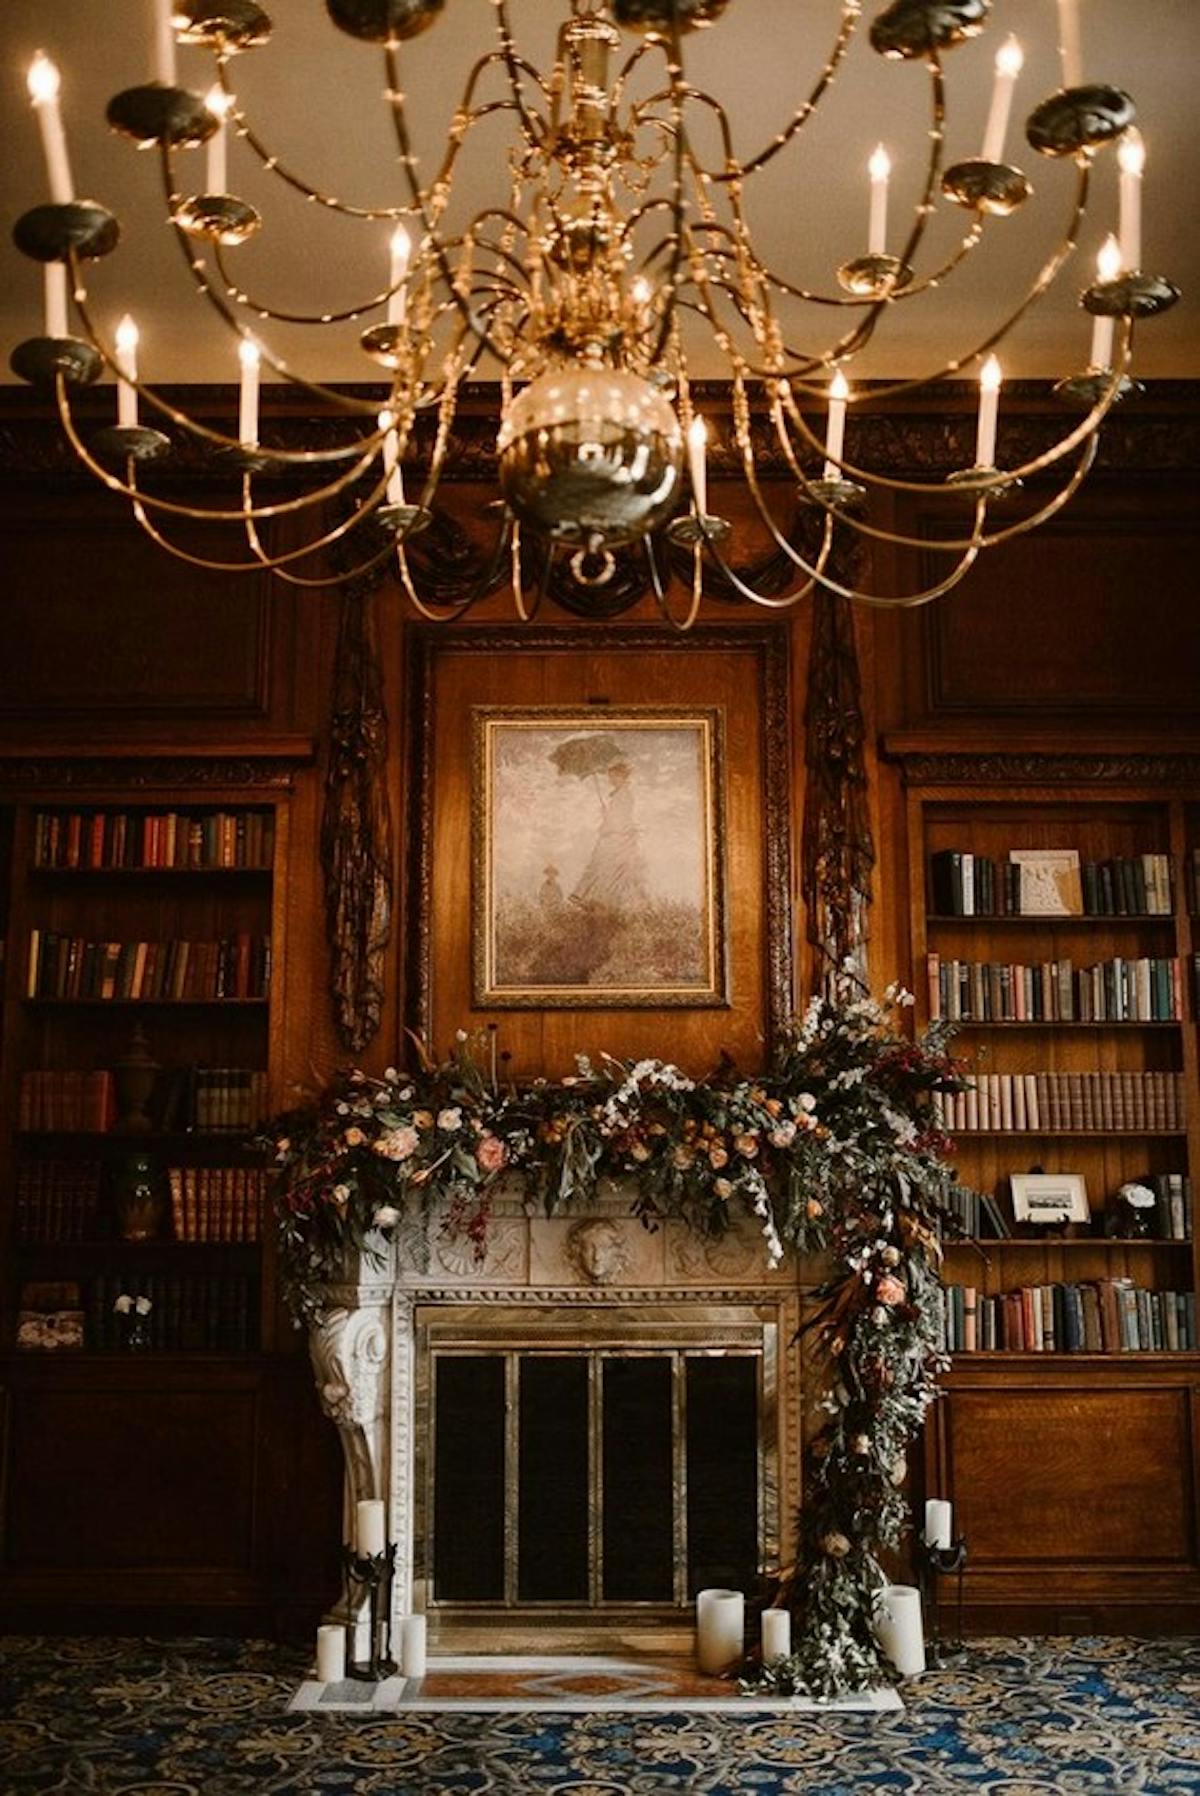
column 597, row 877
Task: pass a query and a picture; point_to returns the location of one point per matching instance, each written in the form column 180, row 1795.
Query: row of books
column 1106, row 1315
column 78, row 1101
column 185, row 1314
column 1033, row 1102
column 216, row 1203
column 57, row 1200
column 975, row 885
column 1191, row 869
column 231, row 966
column 1120, row 990
column 210, row 1099
column 981, row 1216
column 142, row 839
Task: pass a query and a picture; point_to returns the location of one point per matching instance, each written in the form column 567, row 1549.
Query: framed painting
column 597, row 879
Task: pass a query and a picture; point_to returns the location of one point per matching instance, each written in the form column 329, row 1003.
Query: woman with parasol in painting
column 614, row 876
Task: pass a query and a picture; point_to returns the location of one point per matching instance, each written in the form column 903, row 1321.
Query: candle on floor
column 939, row 1522
column 776, row 1634
column 331, row 1653
column 369, row 1538
column 898, row 1628
column 720, row 1627
column 412, row 1646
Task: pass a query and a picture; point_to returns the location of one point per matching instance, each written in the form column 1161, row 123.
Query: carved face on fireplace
column 596, row 1249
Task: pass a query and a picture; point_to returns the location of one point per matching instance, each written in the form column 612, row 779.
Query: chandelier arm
column 783, row 601
column 904, row 602
column 312, row 582
column 204, row 514
column 660, row 588
column 1043, row 280
column 421, row 204
column 458, row 607
column 525, row 612
column 200, row 276
column 1089, row 424
column 671, row 279
column 851, row 13
column 514, row 64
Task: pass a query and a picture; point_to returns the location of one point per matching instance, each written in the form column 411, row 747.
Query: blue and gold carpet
column 207, row 1718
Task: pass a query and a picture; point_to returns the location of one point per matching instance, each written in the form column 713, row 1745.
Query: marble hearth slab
column 495, row 1684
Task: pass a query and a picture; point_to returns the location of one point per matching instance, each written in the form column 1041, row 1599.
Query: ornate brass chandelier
column 617, row 240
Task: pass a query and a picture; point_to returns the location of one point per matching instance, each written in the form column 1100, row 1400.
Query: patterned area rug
column 207, row 1718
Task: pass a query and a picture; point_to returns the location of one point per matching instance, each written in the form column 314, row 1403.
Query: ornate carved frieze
column 28, row 773
column 964, row 768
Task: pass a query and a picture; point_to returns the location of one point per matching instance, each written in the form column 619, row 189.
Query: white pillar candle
column 369, row 1538
column 401, row 247
column 1008, row 66
column 1069, row 44
column 54, row 289
column 126, row 358
column 939, row 1522
column 898, row 1628
column 697, row 440
column 835, row 425
column 412, row 1646
column 216, row 168
column 989, row 406
column 720, row 1626
column 879, row 168
column 43, row 83
column 1132, row 159
column 1108, row 267
column 248, row 356
column 164, row 42
column 776, row 1634
column 331, row 1653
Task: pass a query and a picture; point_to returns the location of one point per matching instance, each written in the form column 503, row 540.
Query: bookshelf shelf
column 1057, row 1024
column 262, row 1004
column 80, row 874
column 1070, row 1134
column 950, row 920
column 1056, row 1244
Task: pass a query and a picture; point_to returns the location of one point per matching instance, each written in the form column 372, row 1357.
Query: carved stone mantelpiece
column 596, row 1263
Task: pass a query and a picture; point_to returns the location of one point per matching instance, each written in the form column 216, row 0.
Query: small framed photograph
column 1050, row 885
column 1049, row 1199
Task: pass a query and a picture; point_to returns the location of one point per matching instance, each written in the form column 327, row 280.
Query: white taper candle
column 401, row 250
column 989, row 406
column 1131, row 156
column 248, row 356
column 127, row 348
column 1070, row 46
column 1108, row 267
column 697, row 442
column 1008, row 66
column 880, row 168
column 216, row 168
column 43, row 84
column 391, row 460
column 835, row 425
column 54, row 292
column 164, row 42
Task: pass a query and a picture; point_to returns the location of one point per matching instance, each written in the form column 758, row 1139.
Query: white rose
column 143, row 1306
column 449, row 1119
column 124, row 1304
column 386, row 1216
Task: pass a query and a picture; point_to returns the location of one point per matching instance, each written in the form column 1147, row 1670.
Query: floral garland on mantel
column 834, row 1149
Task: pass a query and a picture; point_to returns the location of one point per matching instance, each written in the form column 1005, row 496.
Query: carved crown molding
column 95, row 772
column 952, row 767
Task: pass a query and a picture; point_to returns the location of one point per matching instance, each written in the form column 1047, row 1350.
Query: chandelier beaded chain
column 617, row 245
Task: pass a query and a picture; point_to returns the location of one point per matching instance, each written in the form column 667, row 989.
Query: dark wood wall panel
column 1083, row 1476
column 1091, row 616
column 110, row 627
column 112, row 1477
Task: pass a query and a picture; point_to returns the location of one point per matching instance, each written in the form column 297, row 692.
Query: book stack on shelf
column 235, row 967
column 168, row 905
column 217, row 1203
column 1062, row 916
column 1106, row 1315
column 90, row 841
column 1064, row 1103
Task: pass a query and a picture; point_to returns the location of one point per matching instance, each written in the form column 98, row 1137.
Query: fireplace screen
column 603, row 1473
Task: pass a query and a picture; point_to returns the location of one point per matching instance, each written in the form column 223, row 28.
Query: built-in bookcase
column 139, row 1037
column 1076, row 1033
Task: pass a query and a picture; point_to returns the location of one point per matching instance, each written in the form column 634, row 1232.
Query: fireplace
column 576, row 1434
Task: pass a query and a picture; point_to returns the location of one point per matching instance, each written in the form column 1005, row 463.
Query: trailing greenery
column 833, row 1150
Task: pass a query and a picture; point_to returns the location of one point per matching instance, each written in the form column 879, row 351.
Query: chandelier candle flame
column 615, row 259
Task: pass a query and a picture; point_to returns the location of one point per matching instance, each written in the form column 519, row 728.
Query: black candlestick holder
column 936, row 1563
column 371, row 1574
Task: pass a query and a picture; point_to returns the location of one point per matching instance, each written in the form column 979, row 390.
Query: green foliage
column 833, row 1149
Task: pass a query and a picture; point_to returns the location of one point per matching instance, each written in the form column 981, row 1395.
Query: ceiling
column 316, row 96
